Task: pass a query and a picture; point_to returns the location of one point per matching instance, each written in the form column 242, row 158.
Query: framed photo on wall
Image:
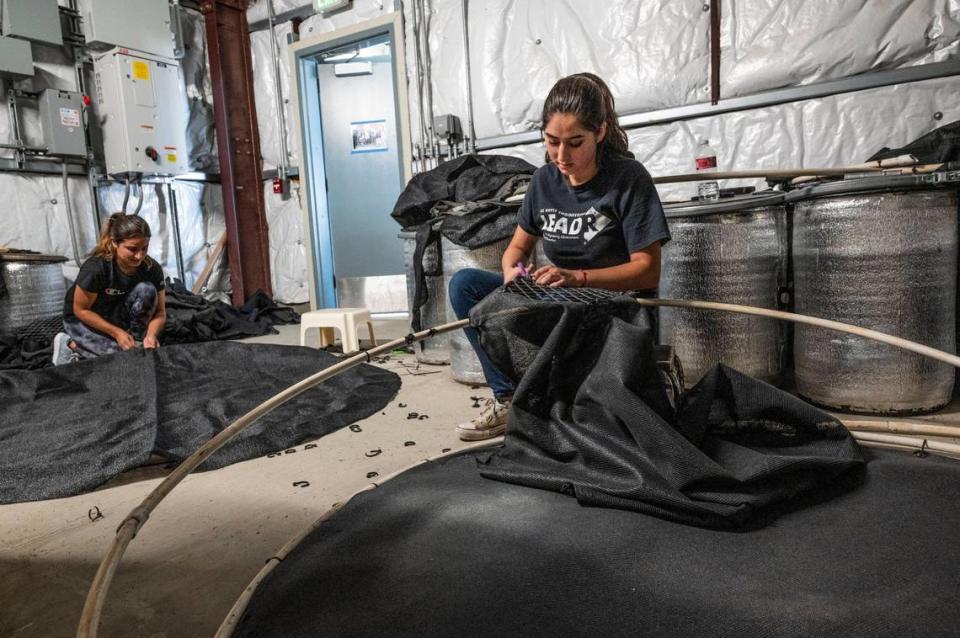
column 369, row 136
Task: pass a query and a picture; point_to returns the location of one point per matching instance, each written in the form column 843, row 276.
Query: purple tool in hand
column 522, row 269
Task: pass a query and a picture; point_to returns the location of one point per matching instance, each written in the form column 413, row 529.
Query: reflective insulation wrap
column 464, row 365
column 31, row 290
column 737, row 258
column 888, row 262
column 435, row 350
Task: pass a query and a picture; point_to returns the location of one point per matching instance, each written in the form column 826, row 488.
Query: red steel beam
column 238, row 142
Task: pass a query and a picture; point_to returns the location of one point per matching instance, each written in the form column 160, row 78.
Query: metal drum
column 733, row 251
column 886, row 261
column 464, row 365
column 31, row 289
column 435, row 350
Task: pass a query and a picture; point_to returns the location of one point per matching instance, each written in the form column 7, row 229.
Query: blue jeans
column 467, row 288
column 139, row 308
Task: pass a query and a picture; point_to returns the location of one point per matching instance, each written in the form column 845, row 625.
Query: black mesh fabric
column 438, row 551
column 67, row 429
column 590, row 416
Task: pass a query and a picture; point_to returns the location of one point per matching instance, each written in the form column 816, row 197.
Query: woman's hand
column 558, row 277
column 150, row 342
column 125, row 340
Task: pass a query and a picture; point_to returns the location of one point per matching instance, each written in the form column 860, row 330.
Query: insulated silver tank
column 435, row 350
column 31, row 289
column 886, row 261
column 464, row 365
column 733, row 251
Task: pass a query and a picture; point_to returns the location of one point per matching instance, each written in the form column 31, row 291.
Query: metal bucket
column 731, row 252
column 886, row 261
column 31, row 289
column 435, row 350
column 464, row 365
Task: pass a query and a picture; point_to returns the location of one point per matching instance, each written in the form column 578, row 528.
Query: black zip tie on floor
column 355, row 428
column 409, row 443
column 301, row 483
column 94, row 514
column 372, row 475
column 373, row 453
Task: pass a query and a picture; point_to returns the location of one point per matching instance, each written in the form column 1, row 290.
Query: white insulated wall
column 653, row 53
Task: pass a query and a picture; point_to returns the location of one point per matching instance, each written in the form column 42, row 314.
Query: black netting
column 42, row 329
column 591, row 417
column 105, row 415
column 438, row 551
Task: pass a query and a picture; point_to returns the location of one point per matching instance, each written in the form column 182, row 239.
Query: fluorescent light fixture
column 374, row 51
column 347, row 69
column 324, row 7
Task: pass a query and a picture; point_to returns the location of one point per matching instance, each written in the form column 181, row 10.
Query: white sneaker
column 62, row 353
column 491, row 422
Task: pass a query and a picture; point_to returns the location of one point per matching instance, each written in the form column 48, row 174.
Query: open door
column 352, row 107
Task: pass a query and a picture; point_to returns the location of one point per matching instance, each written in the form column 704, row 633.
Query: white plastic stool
column 345, row 320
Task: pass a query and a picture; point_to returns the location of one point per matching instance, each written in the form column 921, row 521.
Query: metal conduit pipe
column 175, row 218
column 136, row 211
column 137, row 518
column 70, row 223
column 284, row 168
column 471, row 144
column 418, row 63
column 428, row 81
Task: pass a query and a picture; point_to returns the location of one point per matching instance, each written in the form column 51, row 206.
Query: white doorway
column 351, row 92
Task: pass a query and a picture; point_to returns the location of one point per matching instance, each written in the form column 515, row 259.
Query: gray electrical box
column 142, row 109
column 143, row 25
column 36, row 20
column 16, row 58
column 61, row 115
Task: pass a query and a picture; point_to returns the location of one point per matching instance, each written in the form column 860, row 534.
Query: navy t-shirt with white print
column 599, row 223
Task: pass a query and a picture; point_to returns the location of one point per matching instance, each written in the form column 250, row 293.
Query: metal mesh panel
column 528, row 289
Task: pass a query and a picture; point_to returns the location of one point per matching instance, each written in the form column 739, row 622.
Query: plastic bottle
column 706, row 161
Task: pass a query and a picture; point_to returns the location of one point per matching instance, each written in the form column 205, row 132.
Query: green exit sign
column 329, row 6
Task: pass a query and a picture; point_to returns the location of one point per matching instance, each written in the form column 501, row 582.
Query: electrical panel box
column 61, row 115
column 142, row 110
column 16, row 57
column 143, row 25
column 36, row 20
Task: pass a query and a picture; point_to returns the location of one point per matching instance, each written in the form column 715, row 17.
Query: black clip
column 922, row 452
column 290, row 451
column 445, row 450
column 431, row 332
column 423, row 416
column 367, row 352
column 301, row 483
column 410, row 338
column 355, row 428
column 273, row 454
column 373, row 453
column 94, row 514
column 372, row 474
column 409, row 443
column 412, row 415
column 309, row 446
column 401, row 405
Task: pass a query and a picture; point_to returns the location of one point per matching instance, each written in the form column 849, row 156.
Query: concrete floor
column 209, row 538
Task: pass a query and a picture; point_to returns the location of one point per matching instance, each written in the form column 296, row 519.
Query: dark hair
column 587, row 97
column 117, row 228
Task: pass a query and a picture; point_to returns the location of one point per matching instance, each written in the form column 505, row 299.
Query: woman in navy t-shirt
column 117, row 298
column 594, row 207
